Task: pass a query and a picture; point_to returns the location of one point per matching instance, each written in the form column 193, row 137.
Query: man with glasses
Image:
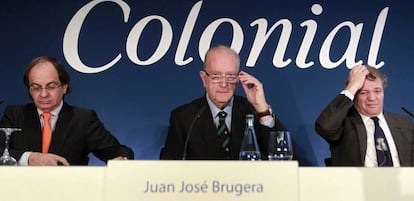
column 54, row 132
column 195, row 132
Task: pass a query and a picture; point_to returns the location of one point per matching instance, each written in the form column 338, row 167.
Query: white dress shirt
column 24, row 159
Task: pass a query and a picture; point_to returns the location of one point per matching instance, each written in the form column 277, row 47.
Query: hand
column 39, row 159
column 119, row 158
column 254, row 91
column 356, row 78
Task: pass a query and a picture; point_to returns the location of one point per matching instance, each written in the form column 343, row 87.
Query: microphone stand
column 197, row 116
column 408, row 112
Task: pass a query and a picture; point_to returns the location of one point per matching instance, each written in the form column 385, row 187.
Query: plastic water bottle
column 249, row 149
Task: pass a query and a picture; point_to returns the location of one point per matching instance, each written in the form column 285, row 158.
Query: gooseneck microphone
column 197, row 116
column 408, row 112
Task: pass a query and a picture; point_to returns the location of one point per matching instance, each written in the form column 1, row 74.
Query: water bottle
column 249, row 149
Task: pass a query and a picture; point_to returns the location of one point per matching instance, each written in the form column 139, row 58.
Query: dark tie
column 381, row 146
column 223, row 133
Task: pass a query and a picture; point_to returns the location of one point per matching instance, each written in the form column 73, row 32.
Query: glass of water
column 6, row 158
column 280, row 146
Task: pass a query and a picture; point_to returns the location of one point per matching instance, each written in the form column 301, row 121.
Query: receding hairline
column 223, row 48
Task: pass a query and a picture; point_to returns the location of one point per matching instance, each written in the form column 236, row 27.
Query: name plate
column 51, row 183
column 356, row 183
column 202, row 180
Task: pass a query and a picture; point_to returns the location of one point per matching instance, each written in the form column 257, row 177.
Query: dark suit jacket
column 341, row 126
column 78, row 132
column 204, row 142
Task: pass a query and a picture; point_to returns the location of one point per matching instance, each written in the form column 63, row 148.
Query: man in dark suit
column 348, row 124
column 220, row 76
column 75, row 132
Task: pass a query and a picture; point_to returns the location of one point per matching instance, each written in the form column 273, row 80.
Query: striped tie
column 223, row 133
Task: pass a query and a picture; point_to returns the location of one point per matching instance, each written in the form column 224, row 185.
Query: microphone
column 408, row 112
column 197, row 116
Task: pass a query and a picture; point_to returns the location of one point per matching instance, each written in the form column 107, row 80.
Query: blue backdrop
column 134, row 61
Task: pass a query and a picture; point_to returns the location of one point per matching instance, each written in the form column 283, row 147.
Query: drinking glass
column 280, row 146
column 6, row 159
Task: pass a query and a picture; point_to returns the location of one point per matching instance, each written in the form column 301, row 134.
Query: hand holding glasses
column 6, row 159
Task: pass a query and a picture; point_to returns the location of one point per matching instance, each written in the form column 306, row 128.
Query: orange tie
column 46, row 132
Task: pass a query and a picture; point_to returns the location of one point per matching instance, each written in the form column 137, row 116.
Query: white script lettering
column 263, row 33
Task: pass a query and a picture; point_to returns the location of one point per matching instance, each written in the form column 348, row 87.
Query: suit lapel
column 32, row 129
column 238, row 118
column 401, row 139
column 360, row 132
column 208, row 128
column 237, row 123
column 205, row 127
column 60, row 133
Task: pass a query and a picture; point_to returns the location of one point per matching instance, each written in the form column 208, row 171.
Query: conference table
column 151, row 180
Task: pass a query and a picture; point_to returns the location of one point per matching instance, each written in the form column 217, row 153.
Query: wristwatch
column 265, row 113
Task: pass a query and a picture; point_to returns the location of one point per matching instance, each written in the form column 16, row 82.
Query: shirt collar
column 365, row 119
column 214, row 109
column 54, row 112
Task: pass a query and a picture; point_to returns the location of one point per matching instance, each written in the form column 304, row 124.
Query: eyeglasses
column 49, row 88
column 217, row 78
